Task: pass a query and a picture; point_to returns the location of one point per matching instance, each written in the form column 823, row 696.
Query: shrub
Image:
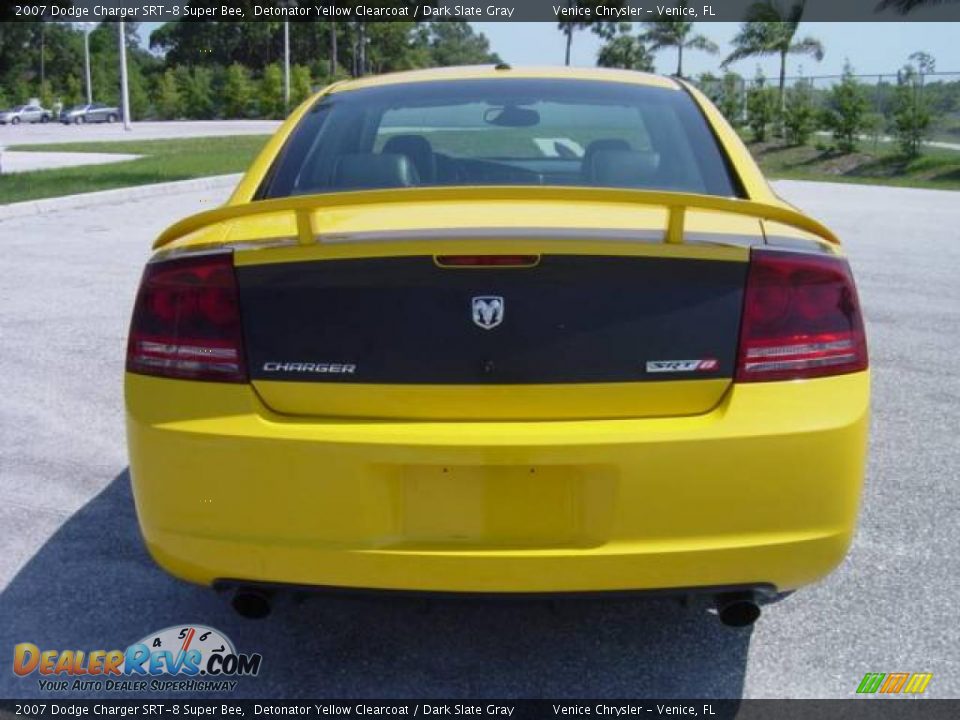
column 846, row 114
column 911, row 115
column 237, row 92
column 731, row 98
column 167, row 97
column 271, row 92
column 46, row 94
column 301, row 84
column 799, row 118
column 874, row 124
column 761, row 104
column 137, row 88
column 196, row 91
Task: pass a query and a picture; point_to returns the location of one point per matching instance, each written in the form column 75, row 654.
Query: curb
column 71, row 202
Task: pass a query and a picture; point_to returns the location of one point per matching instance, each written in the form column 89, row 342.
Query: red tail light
column 487, row 260
column 801, row 318
column 186, row 321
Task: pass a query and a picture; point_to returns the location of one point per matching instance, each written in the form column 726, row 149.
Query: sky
column 873, row 48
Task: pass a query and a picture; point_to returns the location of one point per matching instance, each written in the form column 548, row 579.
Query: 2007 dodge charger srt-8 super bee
column 494, row 330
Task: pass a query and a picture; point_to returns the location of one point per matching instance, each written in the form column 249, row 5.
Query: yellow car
column 500, row 330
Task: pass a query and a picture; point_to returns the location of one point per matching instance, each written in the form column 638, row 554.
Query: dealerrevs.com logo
column 180, row 658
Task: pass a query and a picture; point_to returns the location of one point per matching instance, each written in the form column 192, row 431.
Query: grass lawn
column 163, row 161
column 166, row 160
column 871, row 164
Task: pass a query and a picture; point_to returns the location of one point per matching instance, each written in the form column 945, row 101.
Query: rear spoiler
column 677, row 204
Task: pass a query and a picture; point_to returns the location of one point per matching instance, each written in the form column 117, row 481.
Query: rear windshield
column 502, row 132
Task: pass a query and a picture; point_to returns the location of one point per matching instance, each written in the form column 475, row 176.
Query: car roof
column 490, row 72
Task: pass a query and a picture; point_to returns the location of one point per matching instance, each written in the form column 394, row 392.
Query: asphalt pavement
column 74, row 574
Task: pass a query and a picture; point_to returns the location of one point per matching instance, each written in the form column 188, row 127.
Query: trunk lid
column 347, row 312
column 605, row 323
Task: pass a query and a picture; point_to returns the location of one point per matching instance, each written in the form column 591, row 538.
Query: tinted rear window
column 502, row 132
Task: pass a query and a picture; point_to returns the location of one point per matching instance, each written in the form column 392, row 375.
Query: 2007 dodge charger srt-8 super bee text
column 494, row 330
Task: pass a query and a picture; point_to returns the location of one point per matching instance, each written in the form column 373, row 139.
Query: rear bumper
column 764, row 489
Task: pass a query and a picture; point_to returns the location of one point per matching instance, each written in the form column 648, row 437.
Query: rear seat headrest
column 418, row 149
column 624, row 168
column 368, row 170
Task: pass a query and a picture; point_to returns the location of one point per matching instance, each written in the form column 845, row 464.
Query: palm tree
column 770, row 29
column 671, row 33
column 905, row 6
column 604, row 29
column 625, row 51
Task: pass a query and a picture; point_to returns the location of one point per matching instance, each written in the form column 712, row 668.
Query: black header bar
column 631, row 709
column 471, row 10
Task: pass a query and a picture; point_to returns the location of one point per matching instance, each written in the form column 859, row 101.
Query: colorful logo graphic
column 182, row 650
column 894, row 683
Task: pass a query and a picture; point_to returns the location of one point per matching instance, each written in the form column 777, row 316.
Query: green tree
column 334, row 61
column 251, row 43
column 16, row 60
column 771, row 29
column 926, row 63
column 61, row 47
column 626, row 51
column 675, row 34
column 20, row 92
column 393, row 46
column 761, row 106
column 569, row 26
column 911, row 116
column 271, row 92
column 456, row 43
column 906, row 6
column 72, row 91
column 237, row 92
column 167, row 97
column 709, row 85
column 731, row 100
column 46, row 94
column 137, row 89
column 196, row 91
column 846, row 113
column 799, row 117
column 301, row 84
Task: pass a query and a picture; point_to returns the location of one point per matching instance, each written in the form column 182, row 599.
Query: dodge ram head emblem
column 487, row 311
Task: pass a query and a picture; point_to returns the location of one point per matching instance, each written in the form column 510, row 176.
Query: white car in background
column 95, row 112
column 25, row 113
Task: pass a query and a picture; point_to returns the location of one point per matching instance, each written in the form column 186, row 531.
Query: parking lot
column 74, row 574
column 55, row 132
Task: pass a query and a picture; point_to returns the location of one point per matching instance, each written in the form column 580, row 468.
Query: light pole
column 286, row 65
column 124, row 90
column 86, row 60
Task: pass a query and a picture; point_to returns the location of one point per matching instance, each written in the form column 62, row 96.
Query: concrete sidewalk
column 12, row 161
